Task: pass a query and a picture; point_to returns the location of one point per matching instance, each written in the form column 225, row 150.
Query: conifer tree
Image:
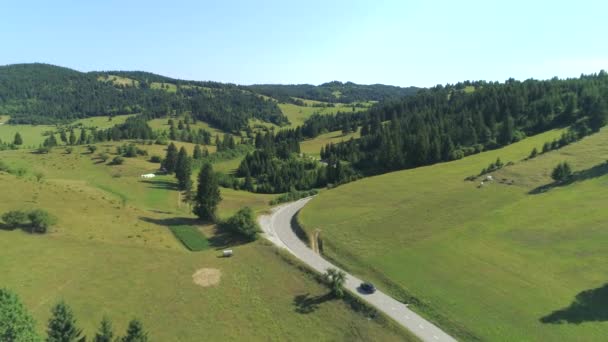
column 62, row 325
column 170, row 161
column 105, row 332
column 135, row 332
column 183, row 170
column 18, row 140
column 207, row 194
column 16, row 324
column 197, row 153
column 72, row 138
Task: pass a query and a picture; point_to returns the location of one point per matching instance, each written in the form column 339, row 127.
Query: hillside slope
column 333, row 92
column 504, row 261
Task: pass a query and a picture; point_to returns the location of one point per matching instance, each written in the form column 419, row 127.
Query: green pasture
column 519, row 258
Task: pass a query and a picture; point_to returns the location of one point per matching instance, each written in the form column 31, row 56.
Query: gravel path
column 277, row 228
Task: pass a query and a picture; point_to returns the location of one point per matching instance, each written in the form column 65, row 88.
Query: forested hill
column 334, row 92
column 449, row 122
column 43, row 94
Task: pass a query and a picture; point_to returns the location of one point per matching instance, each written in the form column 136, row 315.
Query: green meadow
column 313, row 146
column 297, row 115
column 517, row 259
column 114, row 252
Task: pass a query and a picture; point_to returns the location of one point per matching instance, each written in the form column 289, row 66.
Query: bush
column 118, row 160
column 104, row 157
column 41, row 220
column 243, row 223
column 562, row 172
column 15, row 218
column 36, row 221
column 155, row 159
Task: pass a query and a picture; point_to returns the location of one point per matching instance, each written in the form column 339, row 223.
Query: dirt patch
column 207, row 277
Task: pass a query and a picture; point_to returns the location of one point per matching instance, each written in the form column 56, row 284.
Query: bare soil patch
column 206, row 277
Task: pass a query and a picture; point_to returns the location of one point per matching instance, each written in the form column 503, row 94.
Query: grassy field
column 298, row 114
column 112, row 252
column 32, row 136
column 169, row 87
column 119, row 80
column 313, row 146
column 102, row 122
column 498, row 262
column 161, row 124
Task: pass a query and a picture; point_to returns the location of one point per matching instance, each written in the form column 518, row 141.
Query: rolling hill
column 517, row 258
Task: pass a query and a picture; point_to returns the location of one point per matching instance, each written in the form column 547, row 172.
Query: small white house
column 489, row 178
column 227, row 253
column 148, row 175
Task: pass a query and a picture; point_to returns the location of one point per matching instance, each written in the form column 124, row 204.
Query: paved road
column 277, row 228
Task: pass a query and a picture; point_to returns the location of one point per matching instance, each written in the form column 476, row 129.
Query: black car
column 368, row 287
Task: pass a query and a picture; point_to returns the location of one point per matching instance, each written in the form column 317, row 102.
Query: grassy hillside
column 298, row 114
column 499, row 262
column 112, row 253
column 313, row 146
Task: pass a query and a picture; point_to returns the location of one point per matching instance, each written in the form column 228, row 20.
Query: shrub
column 92, row 148
column 243, row 223
column 104, row 157
column 41, row 220
column 155, row 159
column 562, row 172
column 118, row 160
column 36, row 221
column 15, row 218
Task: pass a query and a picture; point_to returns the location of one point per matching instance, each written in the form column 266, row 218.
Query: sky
column 400, row 42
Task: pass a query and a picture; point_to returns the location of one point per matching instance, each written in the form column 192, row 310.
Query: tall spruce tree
column 197, row 153
column 105, row 332
column 72, row 139
column 183, row 170
column 170, row 161
column 207, row 194
column 62, row 325
column 16, row 324
column 135, row 332
column 18, row 140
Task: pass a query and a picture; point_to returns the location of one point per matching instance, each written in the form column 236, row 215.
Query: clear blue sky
column 396, row 42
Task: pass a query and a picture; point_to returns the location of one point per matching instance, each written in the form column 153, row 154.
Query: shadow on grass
column 161, row 184
column 579, row 176
column 306, row 303
column 221, row 238
column 588, row 306
column 172, row 221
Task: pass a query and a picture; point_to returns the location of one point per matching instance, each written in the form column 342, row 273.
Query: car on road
column 368, row 287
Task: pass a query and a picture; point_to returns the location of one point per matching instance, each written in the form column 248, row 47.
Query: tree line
column 17, row 324
column 47, row 94
column 448, row 122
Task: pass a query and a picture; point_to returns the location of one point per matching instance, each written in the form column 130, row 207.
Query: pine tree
column 72, row 139
column 197, row 154
column 183, row 170
column 16, row 324
column 83, row 137
column 62, row 325
column 507, row 131
column 63, row 137
column 18, row 140
column 135, row 332
column 170, row 161
column 105, row 333
column 207, row 195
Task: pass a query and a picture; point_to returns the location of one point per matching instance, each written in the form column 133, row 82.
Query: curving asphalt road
column 277, row 228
